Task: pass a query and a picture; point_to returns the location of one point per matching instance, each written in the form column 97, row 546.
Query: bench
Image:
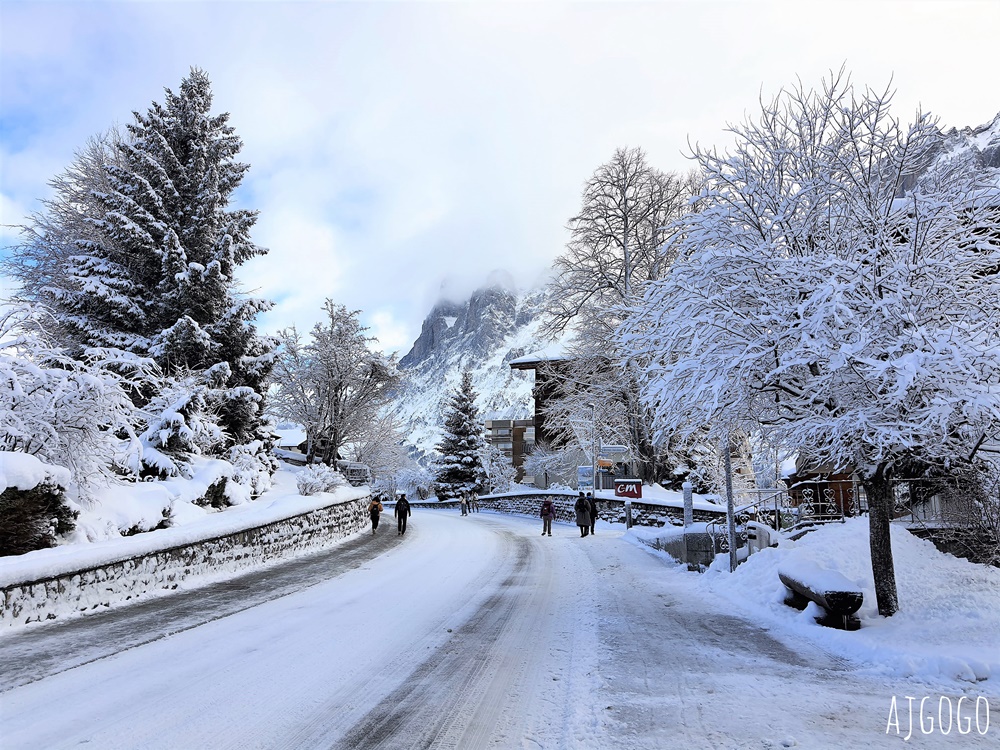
column 840, row 599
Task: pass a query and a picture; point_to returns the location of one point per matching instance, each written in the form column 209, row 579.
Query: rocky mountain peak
column 483, row 333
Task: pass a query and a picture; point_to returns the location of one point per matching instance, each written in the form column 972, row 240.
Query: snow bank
column 73, row 579
column 25, row 472
column 949, row 617
column 192, row 524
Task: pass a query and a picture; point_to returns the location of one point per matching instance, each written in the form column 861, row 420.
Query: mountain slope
column 483, row 333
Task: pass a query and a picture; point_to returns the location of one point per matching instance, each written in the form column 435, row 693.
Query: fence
column 801, row 506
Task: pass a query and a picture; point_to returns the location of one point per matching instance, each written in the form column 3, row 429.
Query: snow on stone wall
column 161, row 571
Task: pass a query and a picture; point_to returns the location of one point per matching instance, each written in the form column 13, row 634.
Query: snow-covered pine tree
column 138, row 249
column 459, row 468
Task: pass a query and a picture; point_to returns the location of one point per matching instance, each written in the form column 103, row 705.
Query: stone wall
column 164, row 570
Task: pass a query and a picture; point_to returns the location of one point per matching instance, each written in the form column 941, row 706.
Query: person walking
column 463, row 502
column 582, row 508
column 548, row 513
column 375, row 510
column 474, row 501
column 402, row 512
column 593, row 511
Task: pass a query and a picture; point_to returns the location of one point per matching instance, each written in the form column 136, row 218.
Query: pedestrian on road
column 593, row 511
column 474, row 501
column 402, row 512
column 548, row 513
column 374, row 510
column 582, row 508
column 463, row 502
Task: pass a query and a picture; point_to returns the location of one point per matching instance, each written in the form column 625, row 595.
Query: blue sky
column 398, row 149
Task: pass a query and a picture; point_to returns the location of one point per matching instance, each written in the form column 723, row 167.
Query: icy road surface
column 469, row 632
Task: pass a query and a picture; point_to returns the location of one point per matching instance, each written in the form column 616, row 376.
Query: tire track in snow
column 473, row 690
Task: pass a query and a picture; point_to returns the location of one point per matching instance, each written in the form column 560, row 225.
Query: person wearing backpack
column 374, row 510
column 402, row 512
column 582, row 508
column 548, row 513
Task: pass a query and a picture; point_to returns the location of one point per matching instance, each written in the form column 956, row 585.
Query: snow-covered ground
column 948, row 626
column 476, row 632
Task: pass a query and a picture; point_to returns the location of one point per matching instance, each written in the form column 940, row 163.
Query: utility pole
column 730, row 505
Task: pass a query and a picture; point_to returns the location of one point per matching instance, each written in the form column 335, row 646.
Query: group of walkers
column 469, row 502
column 586, row 514
column 585, row 508
column 402, row 512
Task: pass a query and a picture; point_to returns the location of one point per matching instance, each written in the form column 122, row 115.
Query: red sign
column 628, row 488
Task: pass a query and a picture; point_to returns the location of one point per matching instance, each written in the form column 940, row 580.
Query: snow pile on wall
column 949, row 617
column 73, row 579
column 25, row 472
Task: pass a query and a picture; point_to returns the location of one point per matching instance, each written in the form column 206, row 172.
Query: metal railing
column 799, row 506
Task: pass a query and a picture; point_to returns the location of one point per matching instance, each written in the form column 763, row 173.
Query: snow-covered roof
column 290, row 437
column 555, row 353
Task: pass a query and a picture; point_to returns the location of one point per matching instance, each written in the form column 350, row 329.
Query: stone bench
column 840, row 599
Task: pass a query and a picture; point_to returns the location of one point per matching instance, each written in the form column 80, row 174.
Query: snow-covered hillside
column 483, row 333
column 983, row 143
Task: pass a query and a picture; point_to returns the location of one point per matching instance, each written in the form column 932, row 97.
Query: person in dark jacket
column 593, row 511
column 375, row 510
column 582, row 508
column 548, row 513
column 402, row 512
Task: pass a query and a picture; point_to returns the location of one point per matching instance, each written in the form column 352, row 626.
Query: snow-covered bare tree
column 381, row 446
column 498, row 471
column 458, row 467
column 615, row 248
column 614, row 244
column 334, row 384
column 837, row 292
column 414, row 480
column 544, row 465
column 138, row 250
column 555, row 467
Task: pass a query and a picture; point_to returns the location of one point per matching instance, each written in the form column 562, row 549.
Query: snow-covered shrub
column 317, row 478
column 71, row 412
column 414, row 481
column 253, row 465
column 499, row 470
column 33, row 505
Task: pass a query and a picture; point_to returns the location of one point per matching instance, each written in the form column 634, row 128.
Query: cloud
column 393, row 146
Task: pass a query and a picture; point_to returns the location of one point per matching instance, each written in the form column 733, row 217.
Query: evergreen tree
column 138, row 251
column 460, row 468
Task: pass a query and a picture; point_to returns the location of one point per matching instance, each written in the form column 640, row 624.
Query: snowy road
column 468, row 633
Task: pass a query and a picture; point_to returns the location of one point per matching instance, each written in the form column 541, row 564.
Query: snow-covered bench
column 806, row 581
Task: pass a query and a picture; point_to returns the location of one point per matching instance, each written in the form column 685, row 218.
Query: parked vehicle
column 355, row 473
